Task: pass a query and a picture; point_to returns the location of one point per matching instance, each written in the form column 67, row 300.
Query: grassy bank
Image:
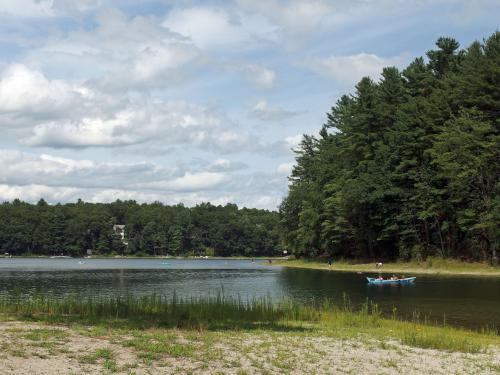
column 434, row 266
column 230, row 313
column 229, row 335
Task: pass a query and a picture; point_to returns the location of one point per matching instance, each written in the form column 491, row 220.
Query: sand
column 42, row 349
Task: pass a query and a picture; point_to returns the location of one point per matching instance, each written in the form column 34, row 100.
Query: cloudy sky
column 191, row 101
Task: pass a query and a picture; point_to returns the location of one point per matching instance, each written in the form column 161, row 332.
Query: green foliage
column 439, row 340
column 150, row 229
column 406, row 167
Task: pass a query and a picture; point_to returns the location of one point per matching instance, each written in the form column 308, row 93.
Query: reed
column 217, row 311
column 221, row 312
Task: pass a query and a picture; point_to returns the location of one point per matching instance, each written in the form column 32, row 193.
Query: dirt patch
column 41, row 349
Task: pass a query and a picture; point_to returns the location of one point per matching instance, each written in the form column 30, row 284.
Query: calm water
column 469, row 302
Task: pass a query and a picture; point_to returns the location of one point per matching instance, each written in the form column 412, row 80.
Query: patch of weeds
column 384, row 345
column 391, row 363
column 44, row 334
column 92, row 358
column 208, row 354
column 13, row 348
column 494, row 367
column 153, row 347
column 110, row 365
column 233, row 363
column 283, row 361
column 128, row 366
column 92, row 331
column 428, row 339
column 41, row 355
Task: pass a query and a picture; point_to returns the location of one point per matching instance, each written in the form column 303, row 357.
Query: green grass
column 441, row 341
column 216, row 312
column 202, row 316
column 102, row 353
column 44, row 334
column 429, row 266
column 154, row 346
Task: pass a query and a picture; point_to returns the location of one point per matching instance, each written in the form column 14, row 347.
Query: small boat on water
column 406, row 280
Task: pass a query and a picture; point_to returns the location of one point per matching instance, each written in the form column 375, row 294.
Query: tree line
column 77, row 229
column 405, row 167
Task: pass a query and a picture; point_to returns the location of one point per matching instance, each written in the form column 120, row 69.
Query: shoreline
column 436, row 267
column 144, row 257
column 54, row 349
column 155, row 336
column 408, row 269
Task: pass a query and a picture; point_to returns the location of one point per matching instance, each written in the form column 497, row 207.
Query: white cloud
column 215, row 28
column 122, row 54
column 26, row 8
column 225, row 165
column 165, row 122
column 60, row 179
column 64, row 7
column 33, row 192
column 266, row 112
column 261, row 77
column 294, row 19
column 350, row 69
column 294, row 140
column 206, row 27
column 19, row 168
column 56, row 114
column 190, row 182
column 27, row 91
column 46, row 8
column 285, row 169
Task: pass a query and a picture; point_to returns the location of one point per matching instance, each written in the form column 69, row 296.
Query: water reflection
column 470, row 302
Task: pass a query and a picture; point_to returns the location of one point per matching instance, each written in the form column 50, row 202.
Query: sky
column 186, row 101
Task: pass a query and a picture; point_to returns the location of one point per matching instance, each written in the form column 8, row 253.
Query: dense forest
column 405, row 167
column 150, row 229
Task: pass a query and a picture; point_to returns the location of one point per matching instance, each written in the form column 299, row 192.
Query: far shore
column 432, row 266
column 259, row 258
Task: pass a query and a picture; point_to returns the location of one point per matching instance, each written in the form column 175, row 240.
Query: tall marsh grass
column 220, row 312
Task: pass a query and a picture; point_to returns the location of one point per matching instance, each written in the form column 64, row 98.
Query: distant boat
column 59, row 256
column 407, row 280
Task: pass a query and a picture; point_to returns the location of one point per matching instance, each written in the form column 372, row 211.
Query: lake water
column 462, row 301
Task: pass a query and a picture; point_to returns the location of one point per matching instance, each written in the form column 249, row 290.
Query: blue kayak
column 408, row 280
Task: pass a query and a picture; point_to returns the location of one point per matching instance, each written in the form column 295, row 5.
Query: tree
column 406, row 166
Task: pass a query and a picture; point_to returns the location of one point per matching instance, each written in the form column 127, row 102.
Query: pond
column 472, row 302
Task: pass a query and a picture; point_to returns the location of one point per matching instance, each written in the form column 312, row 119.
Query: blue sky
column 190, row 101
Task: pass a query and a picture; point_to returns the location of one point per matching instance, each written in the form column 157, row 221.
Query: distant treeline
column 406, row 167
column 150, row 229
